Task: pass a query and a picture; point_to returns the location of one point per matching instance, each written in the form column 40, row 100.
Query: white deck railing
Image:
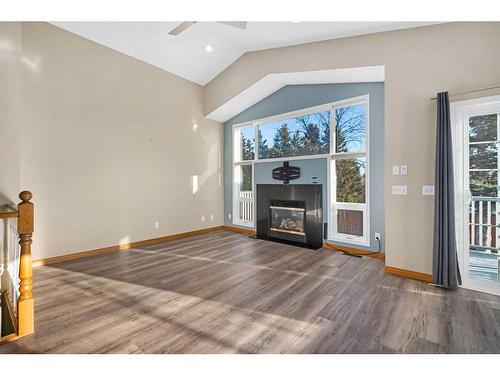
column 484, row 223
column 245, row 202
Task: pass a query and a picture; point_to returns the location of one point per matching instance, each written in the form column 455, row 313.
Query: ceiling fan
column 185, row 25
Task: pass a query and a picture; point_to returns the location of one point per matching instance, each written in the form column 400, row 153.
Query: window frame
column 334, row 206
column 331, row 215
column 237, row 163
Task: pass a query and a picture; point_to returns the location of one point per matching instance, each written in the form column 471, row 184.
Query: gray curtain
column 445, row 271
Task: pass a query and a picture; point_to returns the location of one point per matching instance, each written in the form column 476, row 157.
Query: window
column 337, row 131
column 348, row 169
column 246, row 144
column 483, row 155
column 307, row 134
column 244, row 154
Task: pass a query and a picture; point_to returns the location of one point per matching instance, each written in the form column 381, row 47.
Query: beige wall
column 419, row 62
column 10, row 110
column 109, row 146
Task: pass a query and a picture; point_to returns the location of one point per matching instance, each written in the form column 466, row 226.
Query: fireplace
column 287, row 217
column 290, row 213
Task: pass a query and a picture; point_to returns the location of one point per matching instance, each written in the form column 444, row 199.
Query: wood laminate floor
column 226, row 293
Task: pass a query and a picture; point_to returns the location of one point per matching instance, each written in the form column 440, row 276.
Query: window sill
column 245, row 224
column 361, row 242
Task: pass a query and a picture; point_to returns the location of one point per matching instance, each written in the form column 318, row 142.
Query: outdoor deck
column 484, row 266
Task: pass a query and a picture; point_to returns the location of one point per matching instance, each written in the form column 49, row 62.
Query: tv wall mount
column 286, row 173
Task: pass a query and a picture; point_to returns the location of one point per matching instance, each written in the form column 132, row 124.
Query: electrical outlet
column 428, row 190
column 377, row 236
column 212, row 217
column 157, row 225
column 203, row 219
column 229, row 216
column 395, row 170
column 399, row 190
column 403, row 169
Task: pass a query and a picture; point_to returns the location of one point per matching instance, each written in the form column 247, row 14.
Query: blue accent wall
column 309, row 168
column 292, row 98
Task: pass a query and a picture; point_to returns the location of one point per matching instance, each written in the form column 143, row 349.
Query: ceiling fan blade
column 182, row 27
column 239, row 25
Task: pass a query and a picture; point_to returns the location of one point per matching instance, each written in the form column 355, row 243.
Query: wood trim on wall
column 124, row 246
column 248, row 232
column 63, row 258
column 408, row 274
column 326, row 245
column 346, row 249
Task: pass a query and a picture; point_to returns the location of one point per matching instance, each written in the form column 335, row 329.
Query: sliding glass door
column 477, row 136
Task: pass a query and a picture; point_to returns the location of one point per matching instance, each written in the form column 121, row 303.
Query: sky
column 269, row 129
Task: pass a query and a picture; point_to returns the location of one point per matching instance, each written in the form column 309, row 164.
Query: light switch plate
column 403, row 169
column 395, row 170
column 399, row 189
column 428, row 190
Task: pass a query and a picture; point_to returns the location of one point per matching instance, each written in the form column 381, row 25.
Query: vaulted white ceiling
column 184, row 55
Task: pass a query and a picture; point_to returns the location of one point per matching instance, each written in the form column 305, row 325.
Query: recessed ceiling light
column 296, row 21
column 209, row 48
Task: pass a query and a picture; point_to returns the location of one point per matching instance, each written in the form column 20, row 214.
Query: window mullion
column 348, row 155
column 256, row 148
column 333, row 130
column 482, row 142
column 244, row 162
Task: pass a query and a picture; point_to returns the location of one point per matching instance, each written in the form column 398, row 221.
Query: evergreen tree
column 297, row 144
column 311, row 139
column 247, row 148
column 264, row 152
column 282, row 145
column 246, row 178
column 350, row 180
column 483, row 156
column 325, row 133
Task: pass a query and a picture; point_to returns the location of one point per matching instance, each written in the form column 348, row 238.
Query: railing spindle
column 473, row 222
column 480, row 240
column 488, row 222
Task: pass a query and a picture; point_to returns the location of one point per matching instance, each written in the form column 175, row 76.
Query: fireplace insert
column 287, row 217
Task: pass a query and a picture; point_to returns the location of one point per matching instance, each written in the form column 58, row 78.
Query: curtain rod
column 470, row 91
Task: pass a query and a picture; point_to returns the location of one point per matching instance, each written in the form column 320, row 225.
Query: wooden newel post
column 25, row 304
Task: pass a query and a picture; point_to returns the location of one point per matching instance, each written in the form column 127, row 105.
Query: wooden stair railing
column 25, row 303
column 23, row 315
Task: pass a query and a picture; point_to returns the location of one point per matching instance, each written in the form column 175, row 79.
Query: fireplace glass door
column 287, row 219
